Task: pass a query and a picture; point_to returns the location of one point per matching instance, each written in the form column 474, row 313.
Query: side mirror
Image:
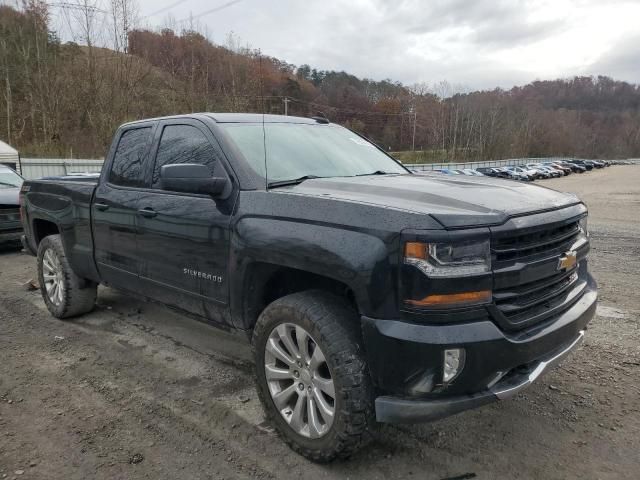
column 191, row 178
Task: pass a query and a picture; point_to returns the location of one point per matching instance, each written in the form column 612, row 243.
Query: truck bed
column 66, row 203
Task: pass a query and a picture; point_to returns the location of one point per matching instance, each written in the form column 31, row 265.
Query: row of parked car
column 533, row 171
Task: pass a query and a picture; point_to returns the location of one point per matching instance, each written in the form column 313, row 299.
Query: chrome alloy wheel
column 53, row 276
column 299, row 380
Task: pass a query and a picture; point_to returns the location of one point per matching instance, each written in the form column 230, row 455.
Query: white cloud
column 477, row 43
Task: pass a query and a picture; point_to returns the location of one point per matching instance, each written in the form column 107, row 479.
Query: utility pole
column 286, row 105
column 9, row 105
column 413, row 140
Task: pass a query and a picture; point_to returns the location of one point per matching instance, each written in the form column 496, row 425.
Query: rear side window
column 127, row 167
column 183, row 144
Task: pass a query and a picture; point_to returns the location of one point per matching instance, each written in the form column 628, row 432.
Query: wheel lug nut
column 300, row 386
column 296, row 373
column 309, row 388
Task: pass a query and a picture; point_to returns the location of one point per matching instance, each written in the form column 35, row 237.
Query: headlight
column 449, row 259
column 582, row 225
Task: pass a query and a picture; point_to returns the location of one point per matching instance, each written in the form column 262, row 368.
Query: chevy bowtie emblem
column 567, row 261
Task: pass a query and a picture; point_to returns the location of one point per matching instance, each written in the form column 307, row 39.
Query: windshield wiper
column 9, row 184
column 294, row 181
column 377, row 172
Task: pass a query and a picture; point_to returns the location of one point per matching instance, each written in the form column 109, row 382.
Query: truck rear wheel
column 65, row 294
column 312, row 377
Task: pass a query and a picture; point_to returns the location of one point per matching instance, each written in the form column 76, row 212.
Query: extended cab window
column 126, row 169
column 183, row 144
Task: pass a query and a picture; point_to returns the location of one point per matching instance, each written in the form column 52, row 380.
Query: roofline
column 241, row 118
column 156, row 119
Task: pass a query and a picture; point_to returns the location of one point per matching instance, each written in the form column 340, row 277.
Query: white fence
column 31, row 168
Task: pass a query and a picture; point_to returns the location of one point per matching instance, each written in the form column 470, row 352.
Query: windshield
column 296, row 150
column 10, row 179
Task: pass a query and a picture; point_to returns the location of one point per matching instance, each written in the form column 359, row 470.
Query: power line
column 164, row 9
column 207, row 12
column 77, row 6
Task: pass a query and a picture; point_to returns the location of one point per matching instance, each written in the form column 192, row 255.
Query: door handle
column 147, row 212
column 102, row 206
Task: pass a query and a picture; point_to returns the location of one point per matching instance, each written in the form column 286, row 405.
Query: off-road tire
column 334, row 325
column 79, row 294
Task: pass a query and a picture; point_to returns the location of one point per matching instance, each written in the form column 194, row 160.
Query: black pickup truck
column 367, row 292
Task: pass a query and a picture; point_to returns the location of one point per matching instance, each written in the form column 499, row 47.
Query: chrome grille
column 523, row 245
column 535, row 300
column 529, row 288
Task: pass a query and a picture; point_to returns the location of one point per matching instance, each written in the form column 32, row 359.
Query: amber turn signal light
column 416, row 250
column 457, row 299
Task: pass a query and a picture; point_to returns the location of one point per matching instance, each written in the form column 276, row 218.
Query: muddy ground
column 134, row 391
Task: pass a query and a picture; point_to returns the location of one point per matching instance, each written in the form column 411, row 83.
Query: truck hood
column 453, row 201
column 9, row 196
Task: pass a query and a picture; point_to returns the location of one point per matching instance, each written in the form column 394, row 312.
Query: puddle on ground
column 609, row 312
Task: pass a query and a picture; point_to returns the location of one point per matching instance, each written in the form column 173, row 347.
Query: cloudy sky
column 470, row 43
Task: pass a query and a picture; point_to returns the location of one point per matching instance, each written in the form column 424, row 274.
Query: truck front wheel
column 312, row 377
column 65, row 294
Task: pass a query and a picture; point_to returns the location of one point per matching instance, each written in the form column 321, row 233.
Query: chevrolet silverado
column 368, row 293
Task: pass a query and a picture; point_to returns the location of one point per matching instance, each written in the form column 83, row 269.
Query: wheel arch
column 42, row 228
column 267, row 282
column 355, row 263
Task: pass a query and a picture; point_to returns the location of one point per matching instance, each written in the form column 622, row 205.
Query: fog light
column 453, row 364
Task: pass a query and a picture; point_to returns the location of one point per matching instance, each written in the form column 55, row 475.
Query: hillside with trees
column 61, row 99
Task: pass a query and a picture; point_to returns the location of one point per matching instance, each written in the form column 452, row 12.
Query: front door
column 115, row 205
column 183, row 239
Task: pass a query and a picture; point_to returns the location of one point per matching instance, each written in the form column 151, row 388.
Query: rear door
column 115, row 206
column 184, row 238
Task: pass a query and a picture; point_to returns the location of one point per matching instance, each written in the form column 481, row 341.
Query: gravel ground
column 135, row 391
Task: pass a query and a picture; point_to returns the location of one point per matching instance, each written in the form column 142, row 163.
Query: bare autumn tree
column 84, row 18
column 28, row 55
column 124, row 18
column 5, row 62
column 126, row 72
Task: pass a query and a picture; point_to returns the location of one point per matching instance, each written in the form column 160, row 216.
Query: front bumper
column 404, row 357
column 397, row 410
column 11, row 236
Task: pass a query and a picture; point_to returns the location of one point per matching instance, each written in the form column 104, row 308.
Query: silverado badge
column 567, row 261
